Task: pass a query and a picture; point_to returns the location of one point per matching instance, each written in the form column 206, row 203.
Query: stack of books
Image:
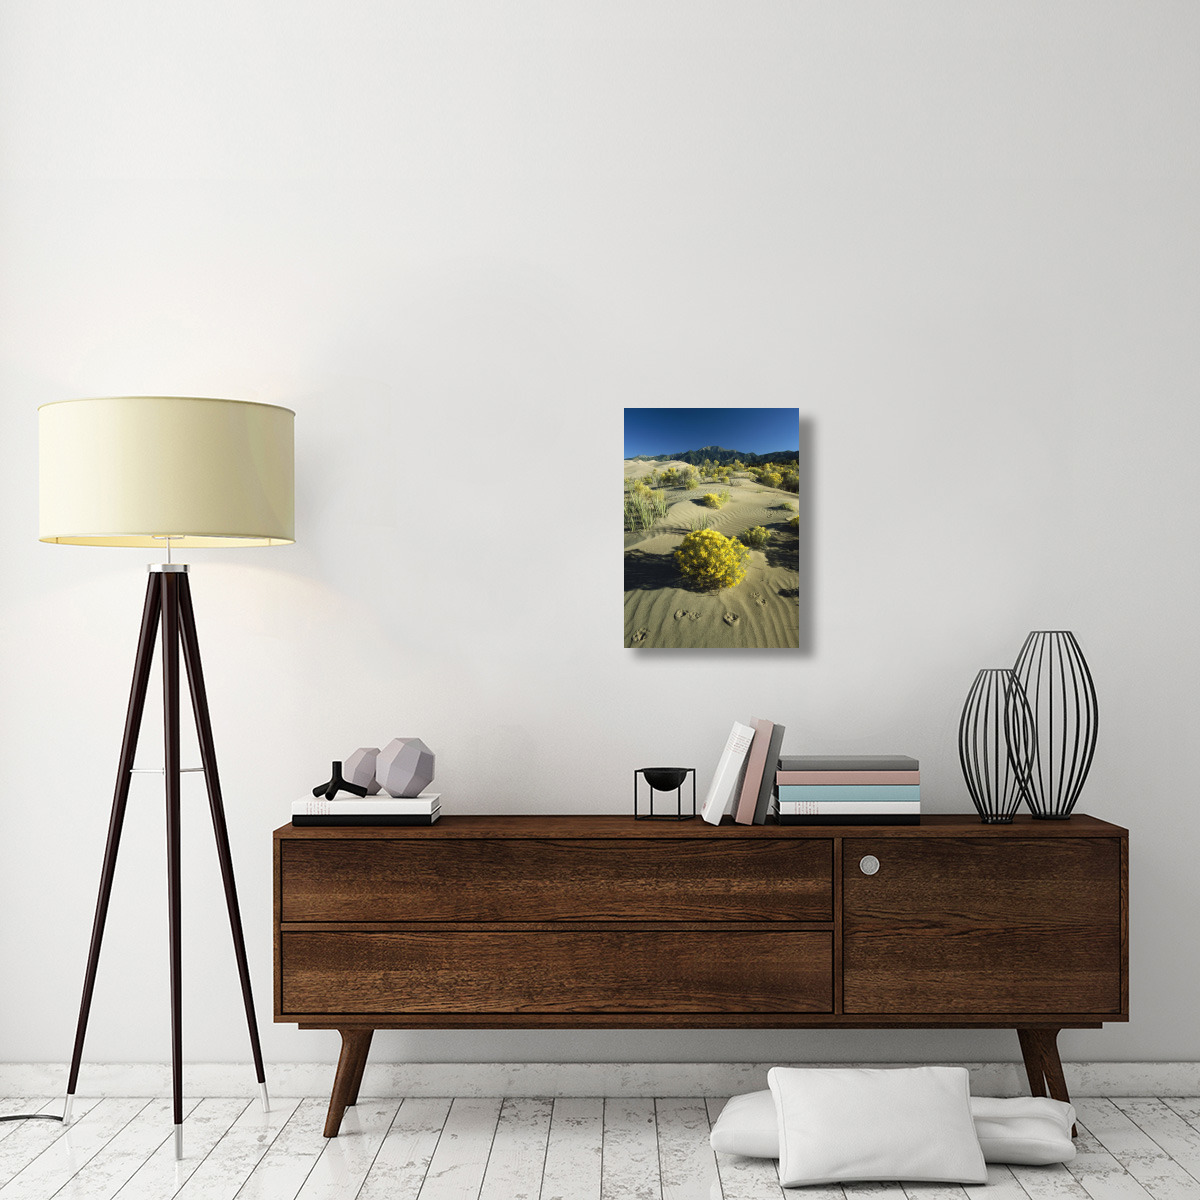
column 855, row 789
column 368, row 810
column 744, row 783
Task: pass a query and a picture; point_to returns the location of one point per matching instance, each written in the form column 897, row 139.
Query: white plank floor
column 522, row 1149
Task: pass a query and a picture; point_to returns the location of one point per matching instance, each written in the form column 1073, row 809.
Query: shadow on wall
column 806, row 533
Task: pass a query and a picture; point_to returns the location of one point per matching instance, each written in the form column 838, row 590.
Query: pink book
column 756, row 764
column 844, row 777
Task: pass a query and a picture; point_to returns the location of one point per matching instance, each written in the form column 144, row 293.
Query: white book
column 725, row 785
column 382, row 806
column 848, row 808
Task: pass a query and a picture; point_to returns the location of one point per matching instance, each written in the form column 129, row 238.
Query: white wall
column 458, row 239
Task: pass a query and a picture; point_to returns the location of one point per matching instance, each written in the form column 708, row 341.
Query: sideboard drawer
column 966, row 925
column 752, row 879
column 580, row 970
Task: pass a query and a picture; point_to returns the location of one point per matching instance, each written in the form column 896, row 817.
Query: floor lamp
column 178, row 472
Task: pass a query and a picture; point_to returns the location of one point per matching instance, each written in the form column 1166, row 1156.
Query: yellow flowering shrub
column 710, row 500
column 756, row 536
column 712, row 560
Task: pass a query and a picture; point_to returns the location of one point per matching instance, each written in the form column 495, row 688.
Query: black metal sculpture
column 337, row 784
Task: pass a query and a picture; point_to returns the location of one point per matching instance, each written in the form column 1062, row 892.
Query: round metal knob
column 868, row 864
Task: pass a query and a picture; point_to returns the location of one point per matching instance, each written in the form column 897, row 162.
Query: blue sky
column 671, row 430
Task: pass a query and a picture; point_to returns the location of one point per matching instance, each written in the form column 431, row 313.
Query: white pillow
column 1031, row 1130
column 747, row 1125
column 853, row 1123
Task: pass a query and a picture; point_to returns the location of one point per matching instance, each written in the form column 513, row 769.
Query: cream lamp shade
column 137, row 470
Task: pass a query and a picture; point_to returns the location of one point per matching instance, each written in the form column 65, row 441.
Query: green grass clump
column 711, row 560
column 643, row 507
column 756, row 536
column 681, row 477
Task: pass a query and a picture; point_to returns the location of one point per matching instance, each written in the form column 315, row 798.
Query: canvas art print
column 712, row 528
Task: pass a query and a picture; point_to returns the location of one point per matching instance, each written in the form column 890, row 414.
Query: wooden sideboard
column 608, row 922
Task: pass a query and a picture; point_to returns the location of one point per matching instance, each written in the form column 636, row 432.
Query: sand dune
column 662, row 609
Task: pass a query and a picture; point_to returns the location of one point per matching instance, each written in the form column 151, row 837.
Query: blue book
column 838, row 793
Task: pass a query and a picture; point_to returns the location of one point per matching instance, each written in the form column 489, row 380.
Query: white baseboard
column 549, row 1079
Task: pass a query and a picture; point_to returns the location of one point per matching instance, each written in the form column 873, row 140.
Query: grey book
column 767, row 787
column 848, row 762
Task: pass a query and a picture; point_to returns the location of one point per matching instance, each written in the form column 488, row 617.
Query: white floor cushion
column 853, row 1123
column 1031, row 1130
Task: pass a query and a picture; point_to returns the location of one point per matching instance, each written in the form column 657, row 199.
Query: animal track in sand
column 680, row 613
column 731, row 618
column 640, row 635
column 759, row 598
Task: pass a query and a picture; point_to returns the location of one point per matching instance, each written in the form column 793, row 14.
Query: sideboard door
column 982, row 925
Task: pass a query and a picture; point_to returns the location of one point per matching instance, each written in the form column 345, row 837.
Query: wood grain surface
column 967, row 926
column 932, row 825
column 580, row 970
column 546, row 879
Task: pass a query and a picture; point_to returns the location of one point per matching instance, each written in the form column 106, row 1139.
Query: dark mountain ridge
column 718, row 454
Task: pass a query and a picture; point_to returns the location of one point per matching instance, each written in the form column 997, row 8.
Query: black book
column 301, row 819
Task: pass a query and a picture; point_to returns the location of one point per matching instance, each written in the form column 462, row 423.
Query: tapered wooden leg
column 358, row 1074
column 1031, row 1053
column 133, row 725
column 1043, row 1066
column 355, row 1044
column 1055, row 1080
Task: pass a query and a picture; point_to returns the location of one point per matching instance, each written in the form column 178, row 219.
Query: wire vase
column 995, row 744
column 1058, row 685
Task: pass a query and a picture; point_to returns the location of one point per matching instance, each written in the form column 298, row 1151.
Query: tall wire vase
column 995, row 744
column 1055, row 676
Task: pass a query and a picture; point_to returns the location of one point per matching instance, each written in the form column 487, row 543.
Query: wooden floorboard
column 161, row 1177
column 522, row 1149
column 64, row 1158
column 290, row 1158
column 459, row 1162
column 28, row 1139
column 343, row 1166
column 629, row 1170
column 1099, row 1173
column 687, row 1165
column 108, row 1172
column 1158, row 1173
column 574, row 1150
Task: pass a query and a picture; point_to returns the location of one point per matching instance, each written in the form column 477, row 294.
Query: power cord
column 31, row 1117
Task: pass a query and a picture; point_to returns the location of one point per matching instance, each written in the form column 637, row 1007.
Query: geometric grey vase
column 404, row 767
column 1062, row 697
